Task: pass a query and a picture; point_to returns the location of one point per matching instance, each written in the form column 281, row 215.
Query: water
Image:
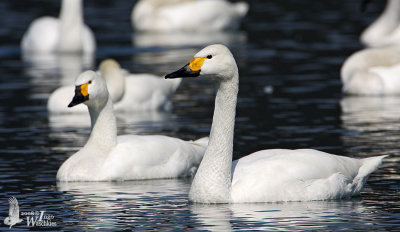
column 295, row 47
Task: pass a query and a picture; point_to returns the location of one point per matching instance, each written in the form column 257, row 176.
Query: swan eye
column 209, row 56
column 90, row 82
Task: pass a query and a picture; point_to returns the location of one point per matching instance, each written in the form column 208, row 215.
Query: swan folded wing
column 149, row 157
column 42, row 36
column 292, row 175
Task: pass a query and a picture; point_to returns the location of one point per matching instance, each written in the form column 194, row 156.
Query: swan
column 108, row 157
column 268, row 175
column 68, row 33
column 386, row 29
column 187, row 15
column 112, row 73
column 129, row 92
column 372, row 71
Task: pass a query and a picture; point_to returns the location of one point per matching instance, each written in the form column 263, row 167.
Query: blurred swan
column 187, row 15
column 68, row 33
column 386, row 29
column 372, row 71
column 106, row 157
column 129, row 92
column 267, row 175
column 112, row 73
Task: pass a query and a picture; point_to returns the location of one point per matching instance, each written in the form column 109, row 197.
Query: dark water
column 295, row 47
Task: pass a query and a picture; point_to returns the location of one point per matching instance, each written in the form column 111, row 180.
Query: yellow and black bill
column 192, row 69
column 81, row 95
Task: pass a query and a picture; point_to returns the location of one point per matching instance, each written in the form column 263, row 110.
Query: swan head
column 114, row 77
column 90, row 89
column 214, row 62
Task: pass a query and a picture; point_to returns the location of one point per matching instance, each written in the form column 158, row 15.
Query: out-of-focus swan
column 187, row 15
column 267, row 175
column 372, row 71
column 106, row 157
column 386, row 29
column 68, row 33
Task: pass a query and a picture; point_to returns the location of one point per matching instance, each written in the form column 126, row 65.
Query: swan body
column 108, row 157
column 187, row 15
column 385, row 30
column 372, row 71
column 147, row 92
column 267, row 175
column 68, row 33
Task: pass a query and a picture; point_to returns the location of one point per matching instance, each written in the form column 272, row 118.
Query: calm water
column 295, row 47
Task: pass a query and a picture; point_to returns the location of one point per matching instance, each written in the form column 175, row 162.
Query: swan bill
column 81, row 95
column 185, row 71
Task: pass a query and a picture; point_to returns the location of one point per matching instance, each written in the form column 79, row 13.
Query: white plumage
column 68, row 33
column 267, row 175
column 385, row 30
column 129, row 92
column 187, row 15
column 372, row 71
column 106, row 157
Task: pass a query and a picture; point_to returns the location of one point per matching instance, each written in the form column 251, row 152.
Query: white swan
column 129, row 92
column 112, row 73
column 267, row 175
column 386, row 29
column 187, row 15
column 106, row 157
column 66, row 34
column 372, row 71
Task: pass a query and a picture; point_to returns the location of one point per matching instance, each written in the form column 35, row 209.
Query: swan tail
column 369, row 165
column 241, row 8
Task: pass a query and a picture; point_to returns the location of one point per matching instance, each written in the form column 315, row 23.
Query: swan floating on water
column 187, row 15
column 268, row 175
column 129, row 92
column 68, row 33
column 108, row 157
column 372, row 71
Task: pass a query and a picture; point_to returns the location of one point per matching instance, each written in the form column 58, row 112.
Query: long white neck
column 71, row 26
column 212, row 183
column 104, row 127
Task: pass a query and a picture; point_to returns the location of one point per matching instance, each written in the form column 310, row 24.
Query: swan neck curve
column 71, row 26
column 104, row 126
column 212, row 183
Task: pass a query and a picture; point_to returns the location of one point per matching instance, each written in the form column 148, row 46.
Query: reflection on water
column 51, row 65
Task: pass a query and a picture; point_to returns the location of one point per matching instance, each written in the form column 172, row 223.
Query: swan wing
column 151, row 157
column 42, row 35
column 292, row 175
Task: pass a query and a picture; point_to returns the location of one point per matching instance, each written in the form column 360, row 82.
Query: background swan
column 267, row 175
column 372, row 71
column 386, row 29
column 106, row 157
column 129, row 92
column 187, row 15
column 68, row 33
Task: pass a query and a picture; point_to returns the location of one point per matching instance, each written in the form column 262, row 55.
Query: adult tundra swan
column 108, row 157
column 187, row 15
column 267, row 175
column 386, row 29
column 129, row 92
column 68, row 33
column 372, row 71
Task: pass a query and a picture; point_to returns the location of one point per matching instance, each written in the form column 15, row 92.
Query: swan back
column 187, row 15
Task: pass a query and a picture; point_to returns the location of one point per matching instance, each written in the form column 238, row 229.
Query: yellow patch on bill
column 85, row 89
column 196, row 63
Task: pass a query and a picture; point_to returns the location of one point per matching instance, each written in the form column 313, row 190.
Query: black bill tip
column 185, row 71
column 78, row 98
